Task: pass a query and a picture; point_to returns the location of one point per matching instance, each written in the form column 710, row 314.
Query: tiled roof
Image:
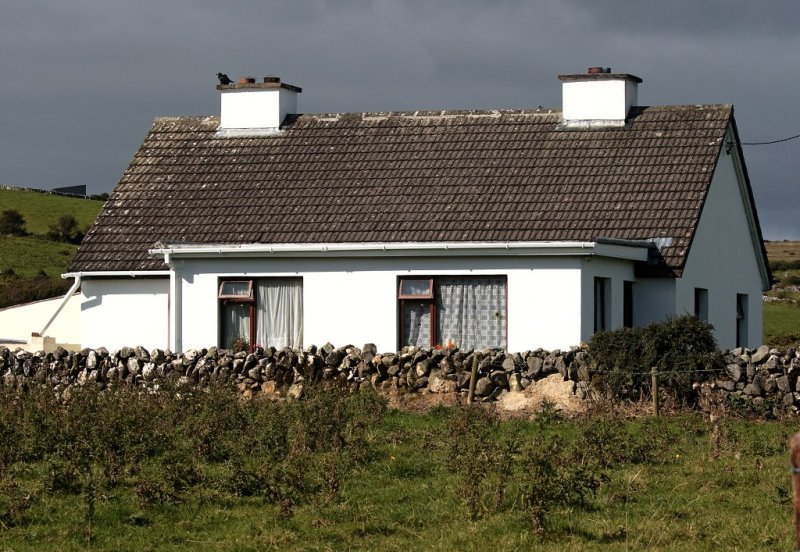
column 510, row 175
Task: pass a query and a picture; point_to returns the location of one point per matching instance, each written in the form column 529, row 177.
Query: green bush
column 682, row 349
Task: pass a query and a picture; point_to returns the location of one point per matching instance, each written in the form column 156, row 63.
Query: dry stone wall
column 752, row 375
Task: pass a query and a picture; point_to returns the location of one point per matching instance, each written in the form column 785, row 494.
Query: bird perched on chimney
column 223, row 78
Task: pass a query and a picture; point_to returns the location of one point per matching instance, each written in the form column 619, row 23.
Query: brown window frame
column 223, row 299
column 431, row 300
column 408, row 296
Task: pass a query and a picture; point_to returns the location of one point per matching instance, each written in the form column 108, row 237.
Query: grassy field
column 40, row 210
column 782, row 319
column 31, row 266
column 181, row 483
column 28, row 256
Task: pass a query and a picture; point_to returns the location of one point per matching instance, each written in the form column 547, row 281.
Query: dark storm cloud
column 84, row 79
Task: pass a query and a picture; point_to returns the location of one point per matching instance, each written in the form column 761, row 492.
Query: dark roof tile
column 417, row 176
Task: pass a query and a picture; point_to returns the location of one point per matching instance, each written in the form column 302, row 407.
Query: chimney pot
column 596, row 70
column 272, row 78
column 247, row 80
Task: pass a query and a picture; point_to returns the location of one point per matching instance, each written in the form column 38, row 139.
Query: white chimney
column 251, row 105
column 599, row 98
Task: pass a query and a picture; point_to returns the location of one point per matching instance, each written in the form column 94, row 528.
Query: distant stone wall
column 754, row 375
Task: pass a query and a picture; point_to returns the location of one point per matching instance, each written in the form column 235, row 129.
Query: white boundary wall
column 130, row 312
column 19, row 321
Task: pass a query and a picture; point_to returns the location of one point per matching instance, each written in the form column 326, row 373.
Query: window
column 263, row 311
column 241, row 290
column 627, row 304
column 741, row 320
column 602, row 304
column 701, row 303
column 469, row 312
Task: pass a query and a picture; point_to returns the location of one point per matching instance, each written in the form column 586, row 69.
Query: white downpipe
column 75, row 285
column 174, row 308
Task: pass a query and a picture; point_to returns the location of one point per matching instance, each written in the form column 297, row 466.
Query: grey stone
column 484, row 387
column 534, row 367
column 134, row 365
column 760, row 355
column 370, row 348
column 561, row 366
column 727, row 385
column 789, row 399
column 783, row 384
column 735, row 371
column 149, row 371
column 419, row 383
column 508, row 364
column 334, row 358
column 463, row 379
column 753, row 390
column 515, row 383
column 499, row 378
column 424, row 367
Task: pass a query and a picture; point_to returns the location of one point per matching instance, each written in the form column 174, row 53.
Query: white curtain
column 279, row 312
column 235, row 323
column 471, row 312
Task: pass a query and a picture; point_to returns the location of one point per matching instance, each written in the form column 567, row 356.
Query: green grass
column 691, row 497
column 40, row 210
column 29, row 255
column 781, row 323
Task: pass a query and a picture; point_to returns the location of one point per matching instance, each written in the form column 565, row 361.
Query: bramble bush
column 682, row 349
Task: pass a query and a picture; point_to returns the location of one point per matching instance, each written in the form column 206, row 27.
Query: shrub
column 12, row 222
column 553, row 475
column 682, row 349
column 65, row 229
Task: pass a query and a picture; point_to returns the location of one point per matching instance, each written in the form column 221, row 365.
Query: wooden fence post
column 794, row 451
column 473, row 376
column 654, row 386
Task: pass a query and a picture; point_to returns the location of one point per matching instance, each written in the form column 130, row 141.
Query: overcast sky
column 83, row 80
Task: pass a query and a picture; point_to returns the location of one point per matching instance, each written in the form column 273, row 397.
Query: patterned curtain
column 279, row 312
column 471, row 312
column 417, row 324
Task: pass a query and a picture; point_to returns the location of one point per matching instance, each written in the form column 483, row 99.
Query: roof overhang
column 619, row 249
column 117, row 274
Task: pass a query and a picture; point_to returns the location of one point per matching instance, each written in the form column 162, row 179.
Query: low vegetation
column 175, row 470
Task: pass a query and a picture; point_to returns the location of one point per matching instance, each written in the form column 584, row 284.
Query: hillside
column 31, row 265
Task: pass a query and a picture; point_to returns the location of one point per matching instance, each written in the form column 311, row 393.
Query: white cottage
column 500, row 228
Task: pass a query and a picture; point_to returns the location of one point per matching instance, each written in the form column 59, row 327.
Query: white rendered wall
column 617, row 271
column 124, row 312
column 653, row 300
column 597, row 100
column 256, row 109
column 19, row 321
column 723, row 260
column 354, row 300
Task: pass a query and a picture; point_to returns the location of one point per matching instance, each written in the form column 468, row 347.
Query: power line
column 770, row 142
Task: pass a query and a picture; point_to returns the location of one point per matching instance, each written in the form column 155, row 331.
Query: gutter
column 632, row 250
column 115, row 274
